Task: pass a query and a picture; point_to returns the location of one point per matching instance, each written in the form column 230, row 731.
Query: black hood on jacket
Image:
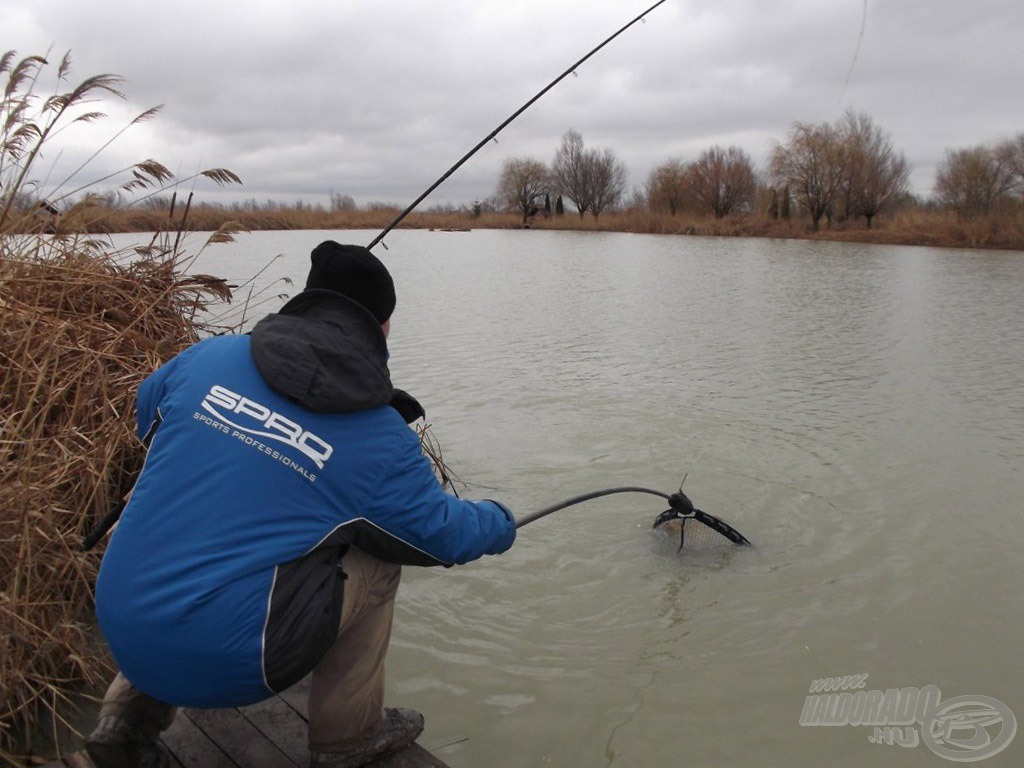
column 328, row 354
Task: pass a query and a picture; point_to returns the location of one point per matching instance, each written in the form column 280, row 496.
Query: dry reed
column 78, row 333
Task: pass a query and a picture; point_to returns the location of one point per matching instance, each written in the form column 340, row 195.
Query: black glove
column 407, row 405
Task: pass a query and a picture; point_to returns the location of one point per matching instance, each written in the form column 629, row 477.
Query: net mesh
column 699, row 533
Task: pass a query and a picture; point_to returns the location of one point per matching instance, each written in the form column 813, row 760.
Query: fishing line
column 856, row 53
column 697, row 529
column 489, row 137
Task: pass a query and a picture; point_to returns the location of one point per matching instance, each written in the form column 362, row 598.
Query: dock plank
column 81, row 760
column 271, row 734
column 243, row 742
column 192, row 747
column 297, row 697
column 282, row 724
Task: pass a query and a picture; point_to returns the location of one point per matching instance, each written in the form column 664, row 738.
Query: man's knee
column 369, row 584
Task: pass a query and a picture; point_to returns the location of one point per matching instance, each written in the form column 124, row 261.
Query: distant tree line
column 842, row 171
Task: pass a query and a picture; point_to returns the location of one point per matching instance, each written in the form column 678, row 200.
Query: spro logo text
column 231, row 408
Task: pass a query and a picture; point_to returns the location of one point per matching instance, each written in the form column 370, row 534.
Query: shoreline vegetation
column 913, row 225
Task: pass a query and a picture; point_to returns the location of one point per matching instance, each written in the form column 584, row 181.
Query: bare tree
column 607, row 176
column 811, row 163
column 973, row 182
column 524, row 182
column 570, row 170
column 875, row 175
column 1012, row 152
column 723, row 181
column 594, row 179
column 666, row 187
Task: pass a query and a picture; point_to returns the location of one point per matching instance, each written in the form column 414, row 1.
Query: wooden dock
column 271, row 734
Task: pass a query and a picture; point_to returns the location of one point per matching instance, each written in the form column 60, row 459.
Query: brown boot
column 399, row 729
column 115, row 744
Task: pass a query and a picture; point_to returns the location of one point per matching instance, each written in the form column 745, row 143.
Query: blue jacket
column 269, row 455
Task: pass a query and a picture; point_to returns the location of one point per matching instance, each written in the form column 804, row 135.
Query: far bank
column 915, row 225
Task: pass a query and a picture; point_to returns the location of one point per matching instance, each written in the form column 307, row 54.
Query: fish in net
column 695, row 528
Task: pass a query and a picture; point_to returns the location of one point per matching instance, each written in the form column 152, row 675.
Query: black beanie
column 353, row 271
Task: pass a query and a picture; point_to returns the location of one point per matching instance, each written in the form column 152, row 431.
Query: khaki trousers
column 346, row 697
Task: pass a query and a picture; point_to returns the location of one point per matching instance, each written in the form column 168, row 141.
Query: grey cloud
column 377, row 99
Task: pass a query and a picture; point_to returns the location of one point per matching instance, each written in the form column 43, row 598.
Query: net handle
column 525, row 519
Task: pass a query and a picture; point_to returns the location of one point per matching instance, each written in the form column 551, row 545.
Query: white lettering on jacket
column 272, row 425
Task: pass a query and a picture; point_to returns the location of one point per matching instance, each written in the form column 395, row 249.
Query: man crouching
column 281, row 494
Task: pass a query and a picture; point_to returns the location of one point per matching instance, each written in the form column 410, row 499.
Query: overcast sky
column 377, row 98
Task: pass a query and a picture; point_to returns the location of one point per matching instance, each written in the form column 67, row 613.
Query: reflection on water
column 857, row 411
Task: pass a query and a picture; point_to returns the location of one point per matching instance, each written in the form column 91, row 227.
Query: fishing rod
column 681, row 512
column 489, row 137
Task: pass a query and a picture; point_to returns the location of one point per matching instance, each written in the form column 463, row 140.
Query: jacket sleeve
column 151, row 392
column 425, row 525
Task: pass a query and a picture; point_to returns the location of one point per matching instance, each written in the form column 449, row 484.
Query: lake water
column 856, row 411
